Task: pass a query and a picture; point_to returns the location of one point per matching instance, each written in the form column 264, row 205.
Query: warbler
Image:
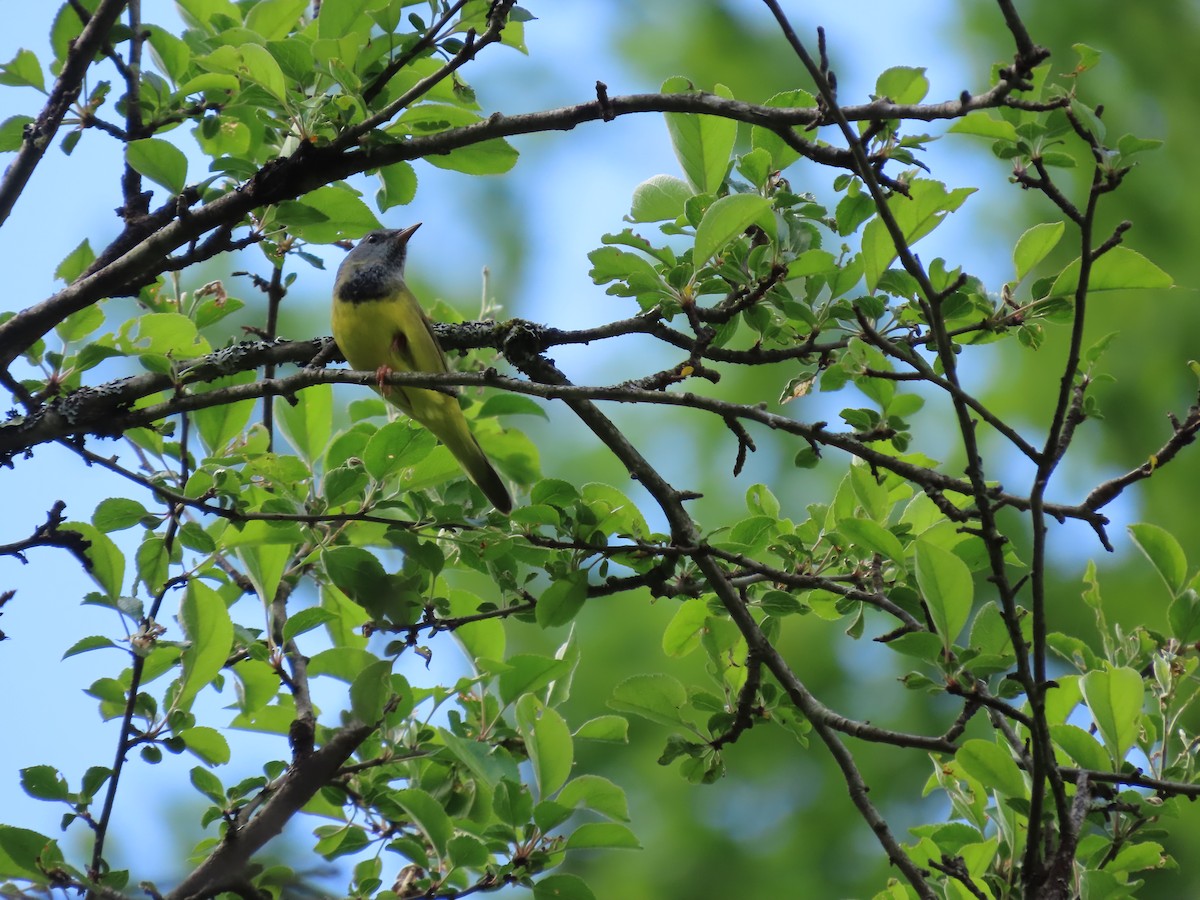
column 380, row 327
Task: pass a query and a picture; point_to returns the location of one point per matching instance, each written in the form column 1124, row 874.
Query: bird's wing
column 414, row 347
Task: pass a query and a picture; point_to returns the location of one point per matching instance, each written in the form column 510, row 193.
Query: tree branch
column 225, row 866
column 145, row 248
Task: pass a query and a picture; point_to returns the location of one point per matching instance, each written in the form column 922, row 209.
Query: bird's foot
column 381, row 375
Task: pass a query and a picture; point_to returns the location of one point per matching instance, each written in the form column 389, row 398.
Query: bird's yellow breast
column 391, row 331
column 363, row 332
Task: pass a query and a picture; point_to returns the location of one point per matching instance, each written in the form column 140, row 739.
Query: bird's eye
column 372, row 238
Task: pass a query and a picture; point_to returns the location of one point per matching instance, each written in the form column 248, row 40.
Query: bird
column 380, row 327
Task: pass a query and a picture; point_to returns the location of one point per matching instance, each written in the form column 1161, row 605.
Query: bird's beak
column 404, row 234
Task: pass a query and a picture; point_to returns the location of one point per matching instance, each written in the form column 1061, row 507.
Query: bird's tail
column 459, row 441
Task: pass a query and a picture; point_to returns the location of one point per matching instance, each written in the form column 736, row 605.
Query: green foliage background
column 780, row 818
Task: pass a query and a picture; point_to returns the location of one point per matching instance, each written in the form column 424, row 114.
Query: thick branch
column 105, row 411
column 684, row 531
column 312, row 167
column 225, row 867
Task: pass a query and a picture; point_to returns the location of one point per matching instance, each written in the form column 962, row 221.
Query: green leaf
column 360, row 576
column 305, row 620
column 328, row 214
column 94, row 779
column 494, row 157
column 725, row 220
column 659, row 199
column 44, row 783
column 274, row 19
column 201, row 13
column 20, row 850
column 207, row 743
column 982, row 124
column 162, row 334
column 73, row 265
column 634, row 274
column 219, row 425
column 340, row 840
column 1035, row 245
column 755, row 166
column 94, row 642
column 852, row 210
column 902, row 85
column 342, row 663
column 1164, row 553
column 370, row 691
column 1184, row 616
column 338, row 17
column 528, row 673
column 562, row 886
column 482, row 638
column 761, row 501
column 597, row 835
column 554, row 492
column 153, row 562
column 1120, row 269
column 1134, row 857
column 873, row 537
column 595, row 793
column 1085, row 751
column 703, row 144
column 614, row 729
column 428, row 815
column 1129, row 144
column 397, row 445
column 683, row 632
column 265, row 561
column 659, row 698
column 23, row 70
column 216, row 83
column 206, row 622
column 208, row 784
column 12, row 132
column 107, row 561
column 1114, row 697
column 511, row 405
column 947, row 588
column 468, row 851
column 923, row 210
column 263, row 70
column 993, row 766
column 117, row 514
column 513, row 803
column 871, row 495
column 782, row 155
column 398, row 186
column 1088, row 56
column 780, row 604
column 549, row 743
column 161, row 162
column 308, row 424
column 563, row 600
column 487, row 762
column 919, row 644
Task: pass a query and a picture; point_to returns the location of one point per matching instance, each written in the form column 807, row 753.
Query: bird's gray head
column 375, row 268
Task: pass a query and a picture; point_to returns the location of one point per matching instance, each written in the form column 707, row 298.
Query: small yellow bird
column 380, row 327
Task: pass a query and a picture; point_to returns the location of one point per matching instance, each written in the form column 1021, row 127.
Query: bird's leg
column 381, row 375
